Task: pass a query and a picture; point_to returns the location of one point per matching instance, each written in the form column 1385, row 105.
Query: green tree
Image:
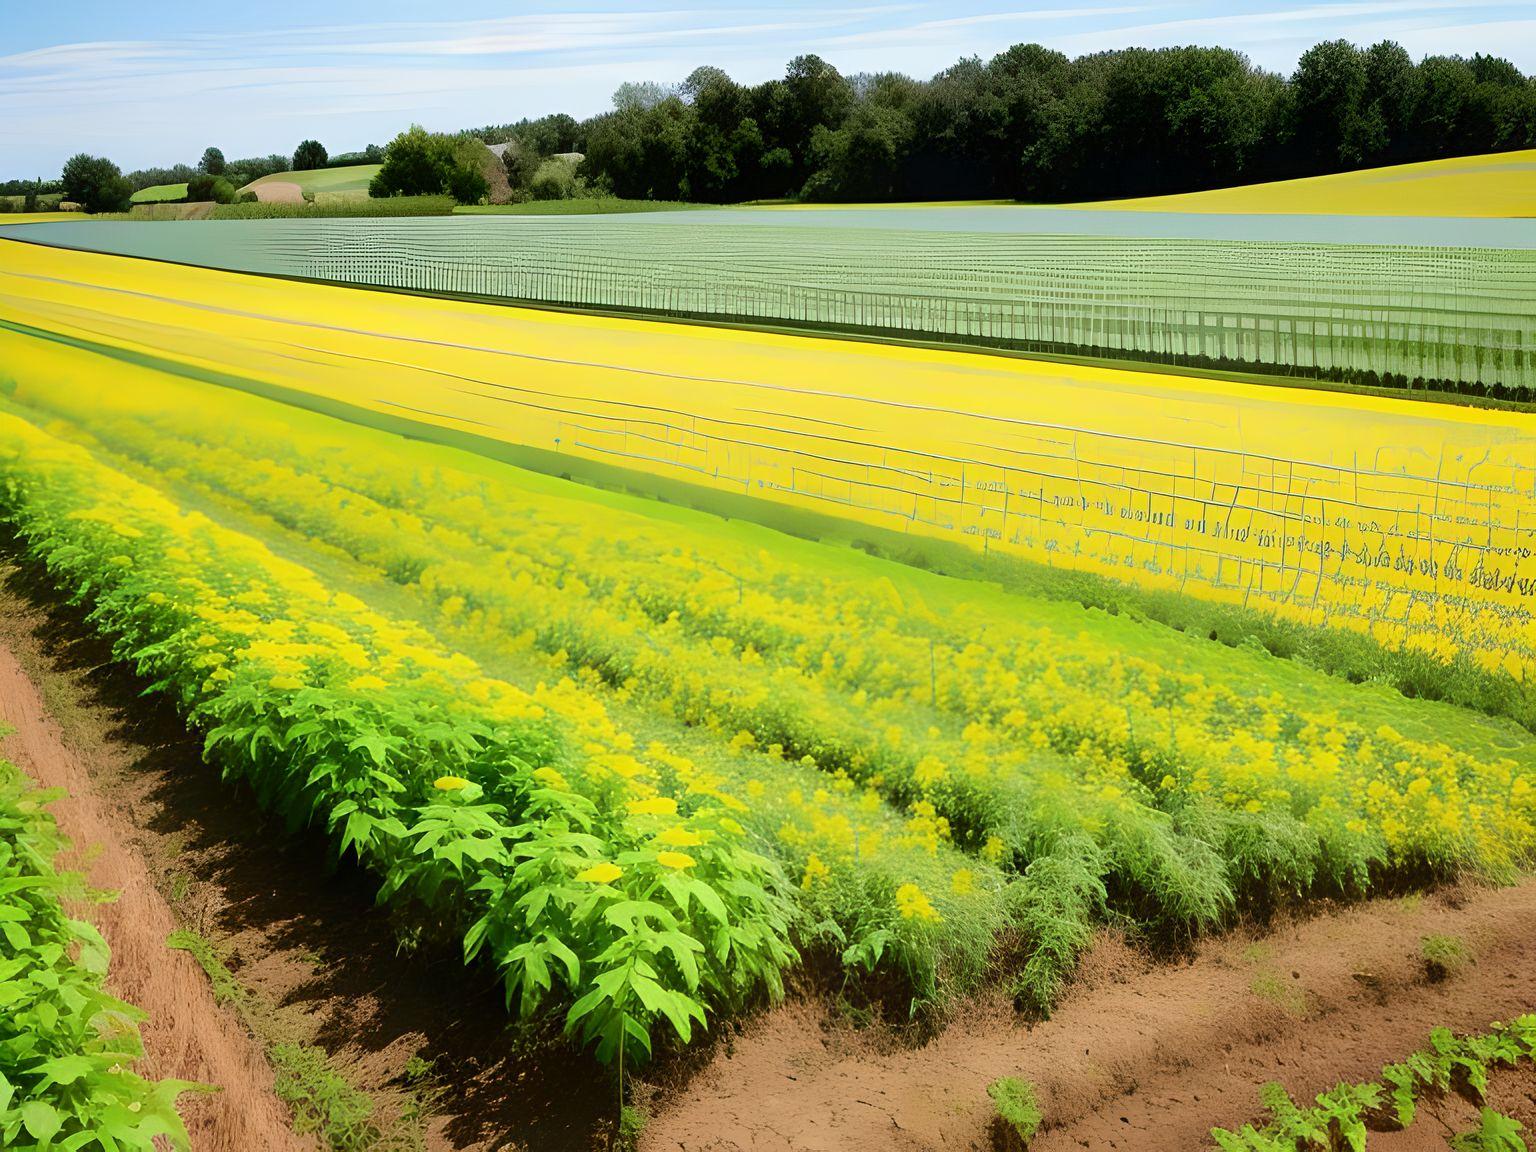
column 212, row 162
column 96, row 184
column 310, row 154
column 422, row 163
column 1332, row 129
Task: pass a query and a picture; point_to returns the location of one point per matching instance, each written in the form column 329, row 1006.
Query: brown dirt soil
column 278, row 192
column 320, row 962
column 187, row 1036
column 1140, row 1057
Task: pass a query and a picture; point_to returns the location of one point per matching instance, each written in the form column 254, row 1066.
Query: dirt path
column 1140, row 1058
column 187, row 1035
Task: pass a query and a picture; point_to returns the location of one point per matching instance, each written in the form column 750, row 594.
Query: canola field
column 1408, row 522
column 1499, row 185
column 647, row 762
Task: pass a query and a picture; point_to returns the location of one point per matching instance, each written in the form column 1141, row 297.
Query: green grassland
column 160, row 193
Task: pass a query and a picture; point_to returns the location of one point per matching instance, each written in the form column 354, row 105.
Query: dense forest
column 1035, row 125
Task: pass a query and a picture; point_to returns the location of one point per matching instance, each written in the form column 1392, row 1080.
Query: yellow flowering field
column 933, row 771
column 1406, row 521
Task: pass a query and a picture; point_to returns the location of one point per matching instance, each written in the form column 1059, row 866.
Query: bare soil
column 278, row 192
column 1142, row 1057
column 321, row 963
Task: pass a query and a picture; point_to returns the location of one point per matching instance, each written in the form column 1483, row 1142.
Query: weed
column 322, row 1101
column 1017, row 1116
column 1443, row 955
column 1270, row 986
column 226, row 989
column 632, row 1122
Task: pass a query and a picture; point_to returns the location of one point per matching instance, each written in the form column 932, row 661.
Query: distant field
column 46, row 201
column 602, row 206
column 160, row 193
column 1501, row 184
column 352, row 179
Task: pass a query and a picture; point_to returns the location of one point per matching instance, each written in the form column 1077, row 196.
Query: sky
column 155, row 81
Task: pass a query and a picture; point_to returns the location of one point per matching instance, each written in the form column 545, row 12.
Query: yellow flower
column 368, row 684
column 814, row 870
column 285, row 683
column 963, row 882
column 449, row 783
column 604, row 873
column 552, row 777
column 679, row 837
column 913, row 904
column 655, row 806
column 678, row 860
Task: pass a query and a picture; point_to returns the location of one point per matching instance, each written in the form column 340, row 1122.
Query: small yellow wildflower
column 368, row 684
column 913, row 904
column 285, row 683
column 678, row 860
column 815, row 870
column 449, row 783
column 552, row 777
column 605, row 873
column 655, row 806
column 679, row 837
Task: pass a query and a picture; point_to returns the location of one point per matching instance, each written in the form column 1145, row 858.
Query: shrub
column 554, row 180
column 212, row 162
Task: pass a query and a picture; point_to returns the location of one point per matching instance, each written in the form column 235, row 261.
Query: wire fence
column 1386, row 313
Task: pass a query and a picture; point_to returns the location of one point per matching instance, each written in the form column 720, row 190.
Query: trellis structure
column 1456, row 314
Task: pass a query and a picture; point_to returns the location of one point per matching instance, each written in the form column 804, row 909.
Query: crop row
column 1343, row 1116
column 1100, row 759
column 66, row 1046
column 517, row 816
column 340, row 732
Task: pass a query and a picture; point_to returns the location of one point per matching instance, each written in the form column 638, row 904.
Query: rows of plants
column 1343, row 1116
column 1106, row 762
column 335, row 715
column 584, row 872
column 67, row 1047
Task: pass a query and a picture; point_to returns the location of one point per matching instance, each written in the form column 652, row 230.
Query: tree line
column 1030, row 124
column 1033, row 124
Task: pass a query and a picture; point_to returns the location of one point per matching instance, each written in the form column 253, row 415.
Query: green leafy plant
column 1495, row 1132
column 66, row 1046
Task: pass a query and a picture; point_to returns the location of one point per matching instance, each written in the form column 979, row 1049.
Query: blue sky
column 154, row 82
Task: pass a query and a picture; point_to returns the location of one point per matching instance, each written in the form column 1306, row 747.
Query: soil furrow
column 1141, row 1057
